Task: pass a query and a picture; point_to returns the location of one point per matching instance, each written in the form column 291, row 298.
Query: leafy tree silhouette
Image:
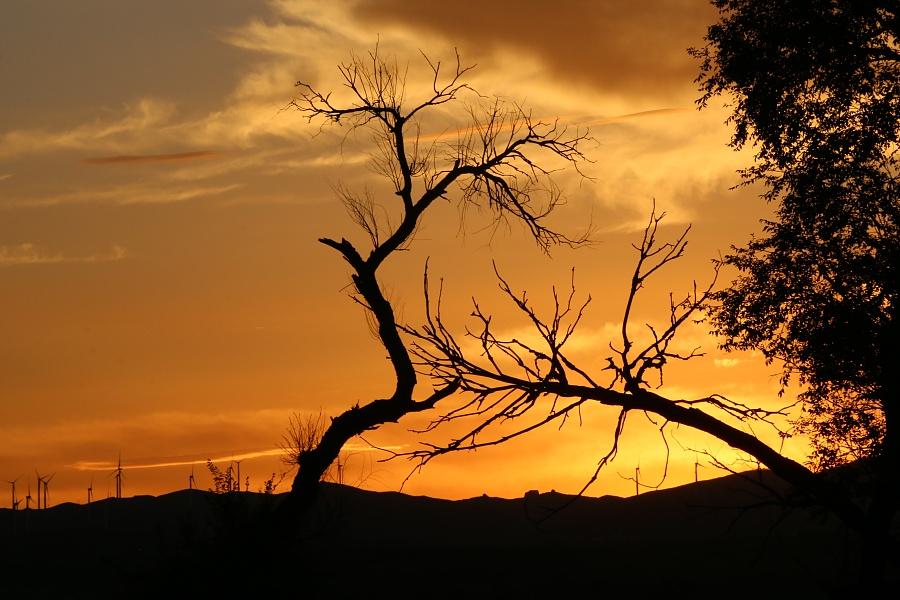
column 815, row 86
column 816, row 92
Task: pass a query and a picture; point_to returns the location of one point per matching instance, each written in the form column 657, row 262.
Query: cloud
column 124, row 195
column 5, row 176
column 150, row 158
column 251, row 126
column 656, row 112
column 145, row 115
column 237, row 435
column 233, row 163
column 30, row 254
column 179, row 461
column 174, row 461
column 595, row 43
column 197, row 434
column 726, row 363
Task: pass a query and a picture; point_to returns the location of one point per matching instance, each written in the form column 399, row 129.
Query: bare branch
column 510, row 378
column 499, row 157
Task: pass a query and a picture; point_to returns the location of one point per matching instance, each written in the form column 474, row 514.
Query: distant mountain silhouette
column 719, row 538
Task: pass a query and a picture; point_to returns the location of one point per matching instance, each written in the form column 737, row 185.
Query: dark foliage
column 816, row 91
column 815, row 87
column 223, row 481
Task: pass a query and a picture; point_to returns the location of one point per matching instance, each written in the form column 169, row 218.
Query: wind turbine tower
column 119, row 476
column 40, row 482
column 238, row 474
column 15, row 502
column 47, row 489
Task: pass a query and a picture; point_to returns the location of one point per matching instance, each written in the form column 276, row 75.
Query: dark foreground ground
column 717, row 539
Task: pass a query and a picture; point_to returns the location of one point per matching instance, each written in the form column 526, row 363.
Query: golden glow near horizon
column 162, row 293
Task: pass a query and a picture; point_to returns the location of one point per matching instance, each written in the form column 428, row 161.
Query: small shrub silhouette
column 223, row 481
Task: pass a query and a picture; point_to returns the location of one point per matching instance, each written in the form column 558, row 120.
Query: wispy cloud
column 146, row 114
column 145, row 438
column 5, row 176
column 656, row 112
column 179, row 461
column 151, row 158
column 726, row 363
column 139, row 193
column 30, row 254
column 259, row 161
column 176, row 461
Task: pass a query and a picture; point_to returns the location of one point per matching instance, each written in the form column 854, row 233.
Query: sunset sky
column 162, row 293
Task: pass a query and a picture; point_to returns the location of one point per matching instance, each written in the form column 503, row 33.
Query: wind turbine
column 40, row 481
column 191, row 479
column 340, row 470
column 47, row 488
column 28, row 496
column 91, row 490
column 119, row 475
column 238, row 473
column 15, row 503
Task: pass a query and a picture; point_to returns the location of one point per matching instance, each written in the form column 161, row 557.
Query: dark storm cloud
column 618, row 46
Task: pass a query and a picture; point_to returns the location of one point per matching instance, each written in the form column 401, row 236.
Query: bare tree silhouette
column 496, row 161
column 503, row 380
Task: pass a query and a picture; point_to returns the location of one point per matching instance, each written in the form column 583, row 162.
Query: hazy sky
column 162, row 293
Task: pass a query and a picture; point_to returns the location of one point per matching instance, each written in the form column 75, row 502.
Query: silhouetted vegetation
column 271, row 484
column 303, row 434
column 495, row 162
column 223, row 481
column 228, row 480
column 815, row 91
column 815, row 88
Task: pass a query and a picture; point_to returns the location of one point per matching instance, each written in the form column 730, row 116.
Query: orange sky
column 161, row 290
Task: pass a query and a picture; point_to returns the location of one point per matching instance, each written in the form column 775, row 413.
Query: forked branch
column 535, row 382
column 498, row 157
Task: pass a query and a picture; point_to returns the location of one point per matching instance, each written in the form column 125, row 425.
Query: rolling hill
column 724, row 537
